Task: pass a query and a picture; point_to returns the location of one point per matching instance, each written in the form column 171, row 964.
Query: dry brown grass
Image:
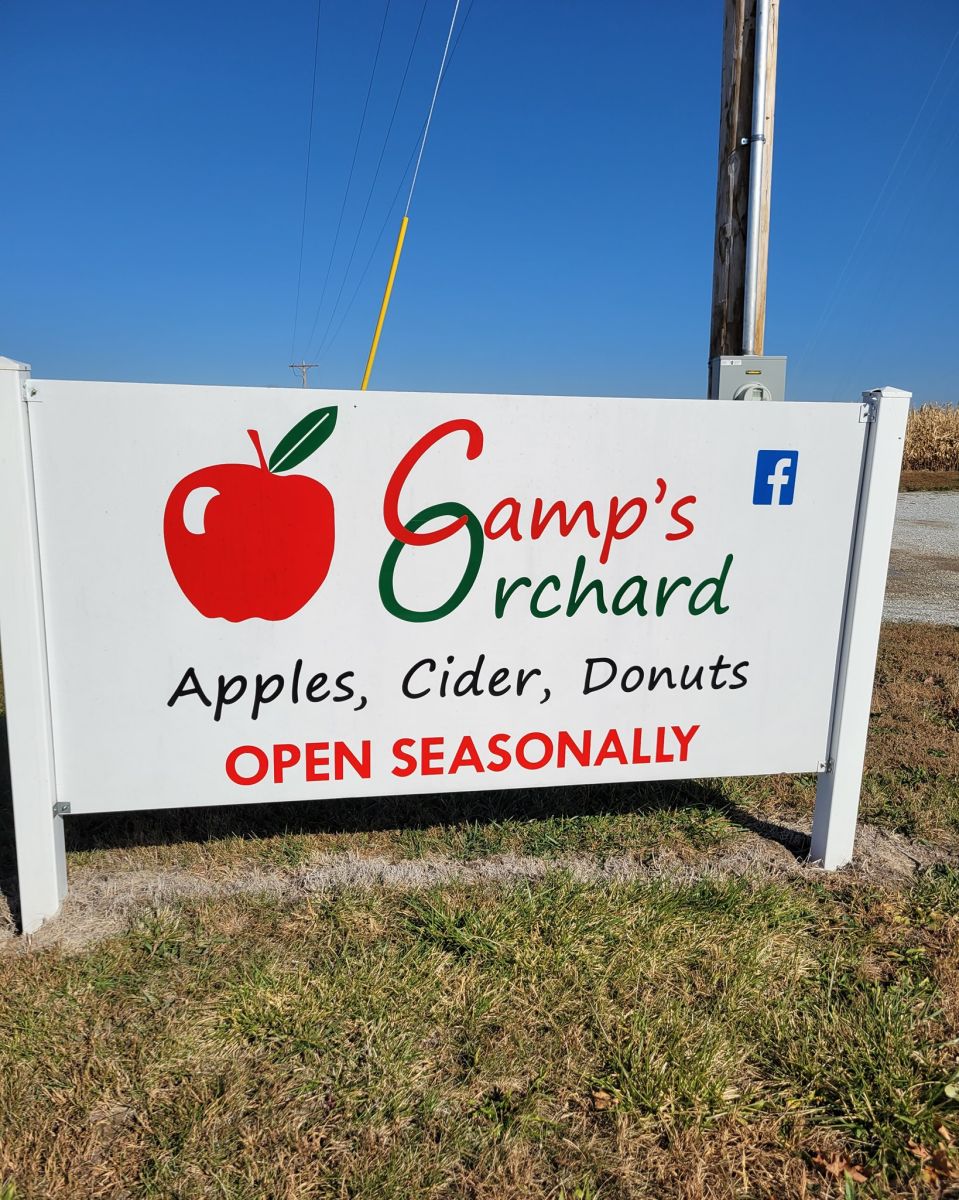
column 911, row 779
column 912, row 760
column 932, row 438
column 542, row 1043
column 713, row 1041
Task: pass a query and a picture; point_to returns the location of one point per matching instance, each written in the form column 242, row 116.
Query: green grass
column 538, row 1041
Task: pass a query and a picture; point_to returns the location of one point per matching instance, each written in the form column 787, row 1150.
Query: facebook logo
column 775, row 476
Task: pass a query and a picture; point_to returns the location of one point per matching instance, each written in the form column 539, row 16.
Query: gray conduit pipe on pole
column 757, row 147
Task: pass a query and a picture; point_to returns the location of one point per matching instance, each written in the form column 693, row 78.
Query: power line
column 349, row 181
column 306, row 183
column 376, row 175
column 429, row 115
column 376, row 246
column 892, row 281
column 840, row 279
column 399, row 187
column 401, row 236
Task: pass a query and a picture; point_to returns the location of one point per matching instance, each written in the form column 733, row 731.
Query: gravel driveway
column 923, row 580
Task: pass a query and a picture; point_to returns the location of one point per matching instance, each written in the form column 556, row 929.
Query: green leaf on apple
column 305, row 437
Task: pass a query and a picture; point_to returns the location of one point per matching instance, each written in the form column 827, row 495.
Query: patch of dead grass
column 911, row 779
column 912, row 760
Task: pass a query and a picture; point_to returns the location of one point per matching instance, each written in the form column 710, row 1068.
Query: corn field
column 932, row 439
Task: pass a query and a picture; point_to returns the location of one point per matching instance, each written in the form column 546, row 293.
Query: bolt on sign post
column 213, row 595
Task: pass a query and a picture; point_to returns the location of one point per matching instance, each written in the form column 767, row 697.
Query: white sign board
column 263, row 594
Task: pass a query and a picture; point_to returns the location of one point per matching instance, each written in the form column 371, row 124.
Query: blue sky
column 561, row 234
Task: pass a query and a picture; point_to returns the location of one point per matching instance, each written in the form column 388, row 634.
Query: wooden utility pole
column 303, row 368
column 732, row 186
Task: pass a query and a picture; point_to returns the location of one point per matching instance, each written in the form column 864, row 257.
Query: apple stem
column 255, row 439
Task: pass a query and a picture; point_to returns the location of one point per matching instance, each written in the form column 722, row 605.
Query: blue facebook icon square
column 775, row 476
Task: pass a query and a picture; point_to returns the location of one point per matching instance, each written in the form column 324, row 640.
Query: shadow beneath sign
column 471, row 819
column 476, row 817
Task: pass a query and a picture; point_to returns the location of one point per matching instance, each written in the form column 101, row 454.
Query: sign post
column 838, row 788
column 41, row 860
column 223, row 595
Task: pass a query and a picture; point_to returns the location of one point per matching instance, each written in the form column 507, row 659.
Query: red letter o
column 524, row 760
column 262, row 765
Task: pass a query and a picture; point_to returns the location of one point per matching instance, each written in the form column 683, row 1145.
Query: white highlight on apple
column 194, row 508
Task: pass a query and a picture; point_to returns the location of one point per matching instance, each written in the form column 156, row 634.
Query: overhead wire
column 892, row 279
column 349, row 180
column 840, row 279
column 429, row 115
column 401, row 236
column 376, row 175
column 396, row 194
column 306, row 182
column 376, row 245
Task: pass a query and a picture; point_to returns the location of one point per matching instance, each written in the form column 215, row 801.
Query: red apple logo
column 247, row 541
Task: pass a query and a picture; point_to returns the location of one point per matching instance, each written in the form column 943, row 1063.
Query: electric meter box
column 747, row 377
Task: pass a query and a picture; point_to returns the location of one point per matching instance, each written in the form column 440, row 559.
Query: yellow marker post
column 386, row 303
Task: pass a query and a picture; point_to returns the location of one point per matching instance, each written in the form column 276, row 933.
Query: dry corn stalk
column 932, row 439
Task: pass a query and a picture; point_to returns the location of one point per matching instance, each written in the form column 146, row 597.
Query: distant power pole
column 741, row 250
column 302, row 367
